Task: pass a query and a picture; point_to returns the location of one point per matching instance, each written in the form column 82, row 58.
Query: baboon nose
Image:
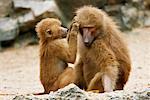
column 65, row 30
column 64, row 35
column 87, row 44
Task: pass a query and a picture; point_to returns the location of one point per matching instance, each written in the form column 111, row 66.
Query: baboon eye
column 81, row 31
column 48, row 32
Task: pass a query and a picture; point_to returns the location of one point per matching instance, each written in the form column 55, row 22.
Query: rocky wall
column 18, row 17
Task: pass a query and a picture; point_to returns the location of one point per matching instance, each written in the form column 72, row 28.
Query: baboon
column 104, row 62
column 55, row 52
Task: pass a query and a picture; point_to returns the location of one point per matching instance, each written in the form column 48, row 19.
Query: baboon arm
column 97, row 79
column 110, row 76
column 72, row 42
column 69, row 54
column 79, row 79
column 109, row 65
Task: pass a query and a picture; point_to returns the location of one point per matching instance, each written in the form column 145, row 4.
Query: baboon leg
column 79, row 79
column 107, row 83
column 95, row 84
column 110, row 77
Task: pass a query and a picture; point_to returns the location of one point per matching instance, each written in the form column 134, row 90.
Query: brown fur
column 147, row 3
column 55, row 52
column 64, row 79
column 106, row 59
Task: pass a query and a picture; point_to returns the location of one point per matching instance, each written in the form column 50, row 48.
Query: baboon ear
column 48, row 33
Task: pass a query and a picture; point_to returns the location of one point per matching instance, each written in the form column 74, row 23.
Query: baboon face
column 88, row 35
column 90, row 22
column 56, row 32
column 50, row 28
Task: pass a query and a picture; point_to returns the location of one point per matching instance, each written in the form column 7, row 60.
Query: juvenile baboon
column 104, row 62
column 64, row 79
column 55, row 52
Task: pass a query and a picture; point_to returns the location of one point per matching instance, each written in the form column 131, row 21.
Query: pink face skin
column 88, row 34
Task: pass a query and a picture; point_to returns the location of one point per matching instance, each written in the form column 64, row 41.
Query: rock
column 8, row 29
column 69, row 92
column 29, row 12
column 115, row 12
column 26, row 21
column 112, row 9
column 129, row 95
column 114, row 2
column 26, row 17
column 147, row 22
column 26, row 39
column 72, row 92
column 68, row 7
column 37, row 7
column 128, row 16
column 132, row 17
column 5, row 7
column 137, row 3
column 147, row 18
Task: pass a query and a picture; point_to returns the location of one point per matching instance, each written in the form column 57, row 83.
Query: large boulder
column 29, row 12
column 132, row 17
column 115, row 12
column 128, row 16
column 8, row 29
column 68, row 7
column 38, row 7
column 147, row 18
column 114, row 2
column 5, row 8
column 26, row 21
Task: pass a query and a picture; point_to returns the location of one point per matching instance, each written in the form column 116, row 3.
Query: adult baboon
column 104, row 62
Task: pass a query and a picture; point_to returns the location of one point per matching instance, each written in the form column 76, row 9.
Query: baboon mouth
column 64, row 36
column 87, row 44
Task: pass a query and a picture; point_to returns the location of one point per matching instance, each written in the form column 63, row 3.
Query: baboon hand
column 75, row 27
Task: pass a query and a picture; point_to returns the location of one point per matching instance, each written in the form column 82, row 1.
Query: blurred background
column 19, row 17
column 19, row 56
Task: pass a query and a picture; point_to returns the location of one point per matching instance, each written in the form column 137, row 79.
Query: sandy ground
column 19, row 68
